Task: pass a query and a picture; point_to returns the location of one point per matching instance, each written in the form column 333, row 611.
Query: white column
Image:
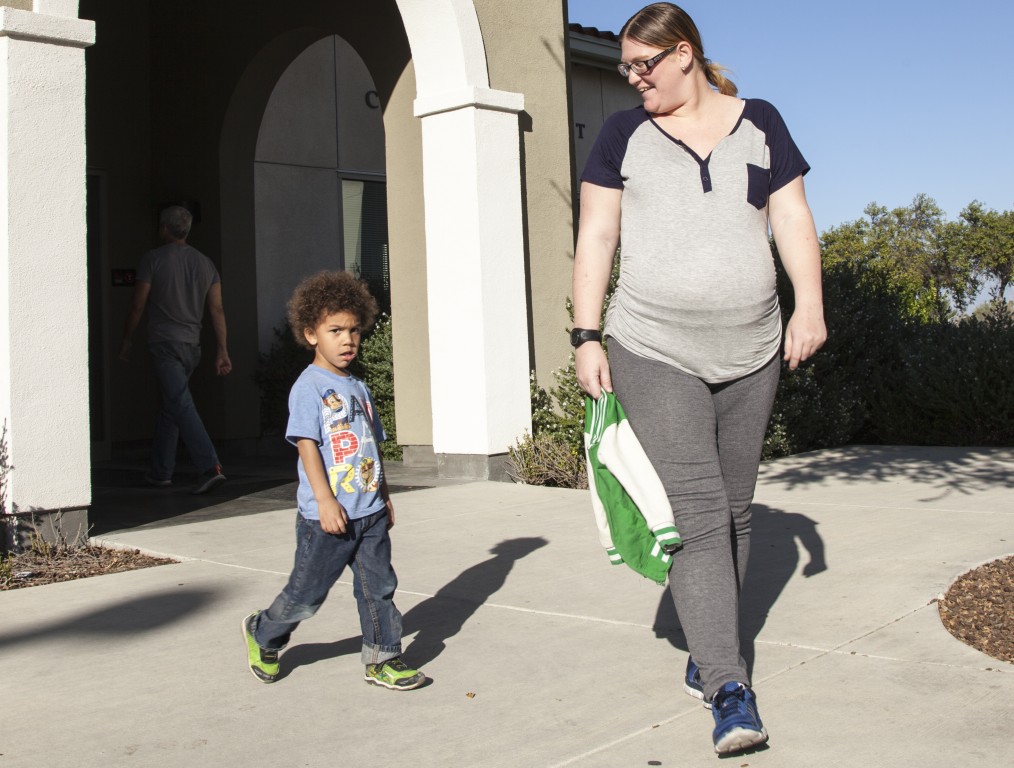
column 478, row 325
column 43, row 297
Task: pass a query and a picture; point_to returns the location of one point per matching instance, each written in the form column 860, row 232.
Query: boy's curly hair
column 326, row 293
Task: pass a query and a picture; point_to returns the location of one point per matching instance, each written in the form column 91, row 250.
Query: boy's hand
column 332, row 516
column 390, row 514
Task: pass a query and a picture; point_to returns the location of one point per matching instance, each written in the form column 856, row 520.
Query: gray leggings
column 705, row 442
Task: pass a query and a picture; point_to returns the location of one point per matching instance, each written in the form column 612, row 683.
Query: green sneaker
column 263, row 663
column 394, row 674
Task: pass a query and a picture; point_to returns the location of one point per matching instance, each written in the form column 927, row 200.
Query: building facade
column 430, row 146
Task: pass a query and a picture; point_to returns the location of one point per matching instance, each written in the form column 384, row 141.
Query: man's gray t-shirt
column 697, row 277
column 179, row 276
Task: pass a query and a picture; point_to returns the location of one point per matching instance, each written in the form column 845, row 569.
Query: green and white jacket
column 631, row 507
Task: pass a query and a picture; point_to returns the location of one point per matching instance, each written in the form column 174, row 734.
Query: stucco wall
column 43, row 358
column 407, row 234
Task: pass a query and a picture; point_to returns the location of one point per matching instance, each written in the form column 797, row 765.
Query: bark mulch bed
column 44, row 564
column 978, row 609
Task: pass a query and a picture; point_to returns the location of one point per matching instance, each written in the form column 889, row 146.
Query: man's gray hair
column 177, row 221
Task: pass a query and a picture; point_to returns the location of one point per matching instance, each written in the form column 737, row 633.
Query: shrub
column 889, row 375
column 545, row 459
column 277, row 369
column 553, row 454
column 375, row 365
column 826, row 401
column 953, row 386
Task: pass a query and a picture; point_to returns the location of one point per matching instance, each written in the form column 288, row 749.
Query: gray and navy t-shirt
column 697, row 277
column 337, row 413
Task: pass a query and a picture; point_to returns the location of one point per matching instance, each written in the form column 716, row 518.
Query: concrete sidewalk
column 540, row 652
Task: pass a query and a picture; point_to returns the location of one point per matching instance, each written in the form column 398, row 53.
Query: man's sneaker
column 394, row 674
column 737, row 724
column 692, row 682
column 150, row 479
column 263, row 663
column 209, row 480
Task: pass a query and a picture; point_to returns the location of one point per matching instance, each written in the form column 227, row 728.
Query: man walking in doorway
column 176, row 282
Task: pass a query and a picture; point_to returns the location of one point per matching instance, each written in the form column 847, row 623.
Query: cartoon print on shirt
column 357, row 409
column 369, row 478
column 344, row 445
column 341, row 475
column 334, row 412
column 338, row 416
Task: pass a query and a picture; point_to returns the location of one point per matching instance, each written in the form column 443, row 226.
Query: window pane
column 364, row 213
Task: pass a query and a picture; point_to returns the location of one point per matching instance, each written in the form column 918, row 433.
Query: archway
column 319, row 180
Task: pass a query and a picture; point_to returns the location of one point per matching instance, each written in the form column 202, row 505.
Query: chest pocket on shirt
column 758, row 182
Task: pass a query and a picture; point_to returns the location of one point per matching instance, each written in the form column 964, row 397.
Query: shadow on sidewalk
column 127, row 618
column 435, row 619
column 941, row 470
column 774, row 560
column 121, row 499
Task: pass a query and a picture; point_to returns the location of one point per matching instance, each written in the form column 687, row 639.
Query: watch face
column 579, row 336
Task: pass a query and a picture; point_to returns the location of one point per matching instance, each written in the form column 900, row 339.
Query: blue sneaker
column 692, row 682
column 737, row 724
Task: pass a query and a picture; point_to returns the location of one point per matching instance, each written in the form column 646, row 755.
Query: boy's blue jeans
column 320, row 559
column 178, row 417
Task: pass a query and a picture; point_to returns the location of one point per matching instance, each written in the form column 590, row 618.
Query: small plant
column 9, row 522
column 553, row 454
column 375, row 365
column 546, row 460
column 276, row 371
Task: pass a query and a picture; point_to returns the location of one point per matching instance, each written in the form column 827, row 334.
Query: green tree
column 915, row 250
column 988, row 239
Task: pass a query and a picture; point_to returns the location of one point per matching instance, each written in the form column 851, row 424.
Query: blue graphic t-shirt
column 337, row 412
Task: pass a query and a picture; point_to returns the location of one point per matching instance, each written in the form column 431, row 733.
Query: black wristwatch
column 579, row 336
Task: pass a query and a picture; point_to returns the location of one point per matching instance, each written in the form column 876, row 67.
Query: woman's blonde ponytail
column 715, row 75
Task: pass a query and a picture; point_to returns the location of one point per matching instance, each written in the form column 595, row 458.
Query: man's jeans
column 320, row 559
column 174, row 362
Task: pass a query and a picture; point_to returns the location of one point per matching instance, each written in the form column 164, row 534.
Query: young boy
column 345, row 511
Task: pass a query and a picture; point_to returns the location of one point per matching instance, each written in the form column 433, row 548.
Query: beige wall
column 407, row 236
column 526, row 53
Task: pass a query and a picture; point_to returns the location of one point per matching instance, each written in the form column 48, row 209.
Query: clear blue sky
column 885, row 99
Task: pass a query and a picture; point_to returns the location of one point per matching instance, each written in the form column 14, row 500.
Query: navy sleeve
column 787, row 161
column 606, row 159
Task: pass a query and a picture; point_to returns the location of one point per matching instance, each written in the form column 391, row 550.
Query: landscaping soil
column 38, row 566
